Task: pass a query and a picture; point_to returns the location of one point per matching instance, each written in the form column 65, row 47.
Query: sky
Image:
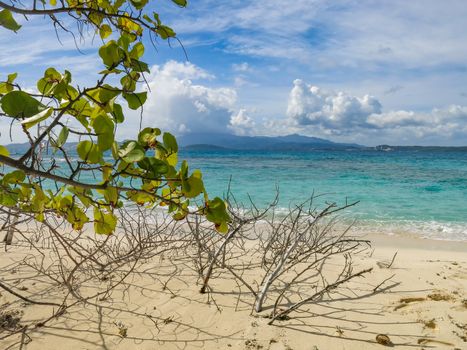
column 368, row 71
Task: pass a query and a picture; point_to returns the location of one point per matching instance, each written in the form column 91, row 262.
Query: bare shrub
column 300, row 256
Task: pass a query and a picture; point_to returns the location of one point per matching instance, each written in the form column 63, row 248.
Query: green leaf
column 12, row 77
column 129, row 81
column 104, row 223
column 154, row 167
column 165, row 32
column 76, row 217
column 110, row 195
column 180, row 215
column 216, row 212
column 20, row 104
column 104, row 94
column 181, row 3
column 140, row 197
column 15, row 177
column 84, row 195
column 135, row 100
column 137, row 51
column 7, row 86
column 170, row 143
column 147, row 137
column 7, row 21
column 89, row 152
column 117, row 113
column 131, row 152
column 193, row 186
column 4, row 151
column 104, row 128
column 49, row 82
column 111, row 54
column 139, row 66
column 114, row 149
column 105, row 31
column 31, row 121
column 172, row 159
column 62, row 137
column 139, row 4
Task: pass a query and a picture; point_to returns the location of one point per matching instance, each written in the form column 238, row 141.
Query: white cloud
column 337, row 112
column 360, row 34
column 314, row 111
column 37, row 42
column 241, row 123
column 240, row 81
column 241, row 67
column 180, row 71
column 176, row 103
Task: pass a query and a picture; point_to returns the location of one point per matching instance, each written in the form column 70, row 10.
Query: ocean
column 420, row 192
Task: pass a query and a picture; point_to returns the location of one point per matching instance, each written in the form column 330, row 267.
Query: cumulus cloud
column 181, row 100
column 337, row 112
column 311, row 109
column 241, row 123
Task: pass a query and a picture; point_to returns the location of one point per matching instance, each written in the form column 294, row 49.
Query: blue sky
column 364, row 71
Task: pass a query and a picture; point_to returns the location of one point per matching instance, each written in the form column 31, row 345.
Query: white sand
column 178, row 317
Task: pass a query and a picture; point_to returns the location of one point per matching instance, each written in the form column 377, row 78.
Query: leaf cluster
column 143, row 170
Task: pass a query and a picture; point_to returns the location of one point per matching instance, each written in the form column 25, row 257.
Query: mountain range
column 294, row 142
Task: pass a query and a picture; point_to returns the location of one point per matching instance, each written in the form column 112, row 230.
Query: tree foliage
column 98, row 173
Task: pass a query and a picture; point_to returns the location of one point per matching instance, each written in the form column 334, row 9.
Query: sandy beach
column 422, row 304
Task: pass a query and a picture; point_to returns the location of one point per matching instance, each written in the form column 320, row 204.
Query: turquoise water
column 399, row 192
column 423, row 193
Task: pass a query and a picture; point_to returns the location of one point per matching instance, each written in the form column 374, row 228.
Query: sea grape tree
column 79, row 125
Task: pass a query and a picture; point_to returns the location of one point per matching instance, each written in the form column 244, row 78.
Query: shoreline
column 413, row 241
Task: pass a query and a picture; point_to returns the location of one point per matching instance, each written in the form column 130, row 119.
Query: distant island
column 288, row 143
column 294, row 142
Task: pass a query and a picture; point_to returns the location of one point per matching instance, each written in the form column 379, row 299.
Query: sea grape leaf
column 216, row 212
column 104, row 128
column 77, row 217
column 35, row 119
column 117, row 113
column 139, row 4
column 20, row 104
column 165, row 32
column 137, row 51
column 154, row 167
column 7, row 20
column 140, row 197
column 104, row 93
column 89, row 152
column 147, row 137
column 104, row 223
column 105, row 31
column 181, row 3
column 110, row 53
column 131, row 152
column 139, row 66
column 135, row 100
column 62, row 137
column 170, row 143
column 7, row 86
column 193, row 186
column 172, row 159
column 15, row 177
column 4, row 151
